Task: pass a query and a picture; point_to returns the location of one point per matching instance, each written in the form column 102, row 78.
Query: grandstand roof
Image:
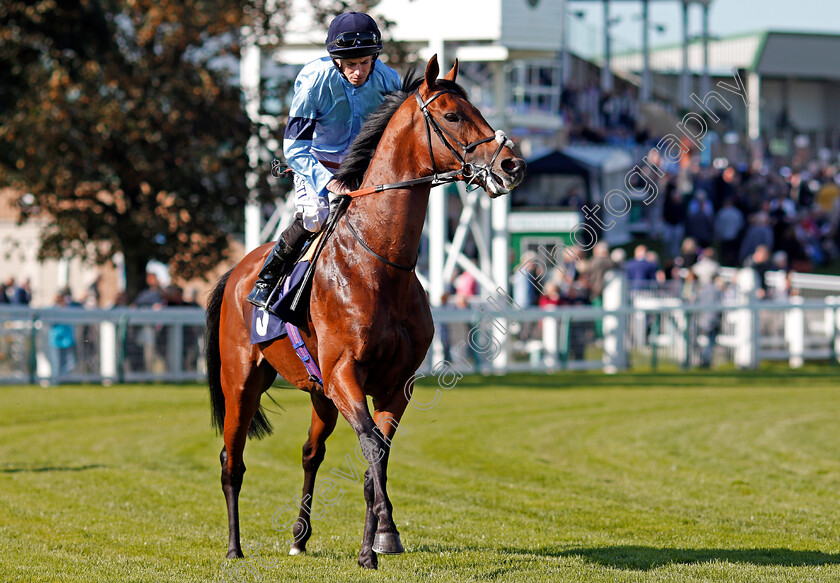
column 803, row 55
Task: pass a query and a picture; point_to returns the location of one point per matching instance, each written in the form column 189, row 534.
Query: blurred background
column 137, row 139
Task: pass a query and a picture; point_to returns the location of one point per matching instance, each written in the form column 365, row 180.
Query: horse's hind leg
column 242, row 399
column 324, row 416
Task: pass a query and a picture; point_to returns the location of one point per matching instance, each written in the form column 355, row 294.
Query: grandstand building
column 792, row 80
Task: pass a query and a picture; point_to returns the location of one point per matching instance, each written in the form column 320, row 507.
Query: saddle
column 289, row 301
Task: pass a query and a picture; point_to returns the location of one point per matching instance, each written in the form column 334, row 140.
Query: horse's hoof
column 369, row 562
column 234, row 554
column 387, row 543
column 294, row 551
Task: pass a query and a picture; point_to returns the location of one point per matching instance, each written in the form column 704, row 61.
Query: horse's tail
column 260, row 426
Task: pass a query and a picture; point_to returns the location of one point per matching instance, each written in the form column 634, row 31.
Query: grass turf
column 571, row 477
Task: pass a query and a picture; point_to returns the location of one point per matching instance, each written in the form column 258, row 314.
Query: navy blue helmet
column 353, row 35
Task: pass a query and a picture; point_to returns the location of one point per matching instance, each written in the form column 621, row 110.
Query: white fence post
column 795, row 333
column 745, row 321
column 175, row 349
column 549, row 334
column 615, row 326
column 834, row 325
column 108, row 350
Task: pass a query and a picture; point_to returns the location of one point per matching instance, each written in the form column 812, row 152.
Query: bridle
column 468, row 172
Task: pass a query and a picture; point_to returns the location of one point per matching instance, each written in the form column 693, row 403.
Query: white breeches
column 314, row 209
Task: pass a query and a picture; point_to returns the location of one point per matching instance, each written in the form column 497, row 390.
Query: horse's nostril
column 513, row 166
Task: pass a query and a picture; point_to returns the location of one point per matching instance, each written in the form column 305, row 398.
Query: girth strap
column 303, row 353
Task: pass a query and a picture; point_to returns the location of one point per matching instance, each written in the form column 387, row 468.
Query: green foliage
column 571, row 477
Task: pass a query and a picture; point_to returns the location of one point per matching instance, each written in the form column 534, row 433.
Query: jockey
column 332, row 98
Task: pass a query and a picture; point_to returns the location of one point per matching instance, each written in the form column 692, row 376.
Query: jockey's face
column 356, row 70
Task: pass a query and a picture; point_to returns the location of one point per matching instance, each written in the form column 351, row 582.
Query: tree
column 121, row 120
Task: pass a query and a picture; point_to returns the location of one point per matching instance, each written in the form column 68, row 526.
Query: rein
column 468, row 172
column 435, row 180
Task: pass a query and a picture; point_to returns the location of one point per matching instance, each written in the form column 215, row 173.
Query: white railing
column 55, row 345
column 495, row 337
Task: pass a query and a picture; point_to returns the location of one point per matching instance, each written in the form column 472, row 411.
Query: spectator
column 725, row 184
column 828, row 193
column 640, row 272
column 790, row 245
column 673, row 218
column 17, row 295
column 729, row 221
column 595, row 269
column 22, row 295
column 63, row 341
column 710, row 322
column 758, row 233
column 761, row 264
column 4, row 291
column 526, row 280
column 93, row 296
column 173, row 296
column 551, row 298
column 700, row 220
column 465, row 285
column 68, row 297
column 191, row 298
column 618, row 256
column 121, row 301
column 688, row 254
column 152, row 295
column 706, row 269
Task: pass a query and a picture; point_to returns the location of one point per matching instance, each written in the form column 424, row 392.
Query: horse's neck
column 391, row 222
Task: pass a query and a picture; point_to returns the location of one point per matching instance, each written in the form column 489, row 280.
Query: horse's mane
column 358, row 159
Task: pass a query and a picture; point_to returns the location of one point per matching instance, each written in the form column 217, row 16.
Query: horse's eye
column 451, row 117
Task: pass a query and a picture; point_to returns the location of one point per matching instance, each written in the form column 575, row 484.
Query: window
column 534, row 87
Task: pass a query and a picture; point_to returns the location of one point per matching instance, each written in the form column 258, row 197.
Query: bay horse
column 369, row 325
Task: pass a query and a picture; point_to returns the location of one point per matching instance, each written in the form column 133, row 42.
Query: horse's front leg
column 380, row 533
column 378, row 537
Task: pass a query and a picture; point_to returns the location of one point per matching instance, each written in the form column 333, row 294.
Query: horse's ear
column 453, row 72
column 432, row 72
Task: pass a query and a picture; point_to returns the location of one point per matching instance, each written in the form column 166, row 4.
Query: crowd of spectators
column 794, row 212
column 790, row 205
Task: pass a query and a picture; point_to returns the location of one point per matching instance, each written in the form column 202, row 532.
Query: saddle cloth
column 266, row 325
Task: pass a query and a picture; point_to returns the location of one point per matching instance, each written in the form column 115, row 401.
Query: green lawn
column 678, row 476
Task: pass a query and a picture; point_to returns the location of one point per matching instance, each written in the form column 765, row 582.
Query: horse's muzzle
column 514, row 168
column 507, row 175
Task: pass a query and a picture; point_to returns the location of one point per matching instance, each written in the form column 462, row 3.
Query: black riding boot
column 285, row 251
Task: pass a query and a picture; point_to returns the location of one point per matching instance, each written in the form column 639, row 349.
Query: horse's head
column 466, row 141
